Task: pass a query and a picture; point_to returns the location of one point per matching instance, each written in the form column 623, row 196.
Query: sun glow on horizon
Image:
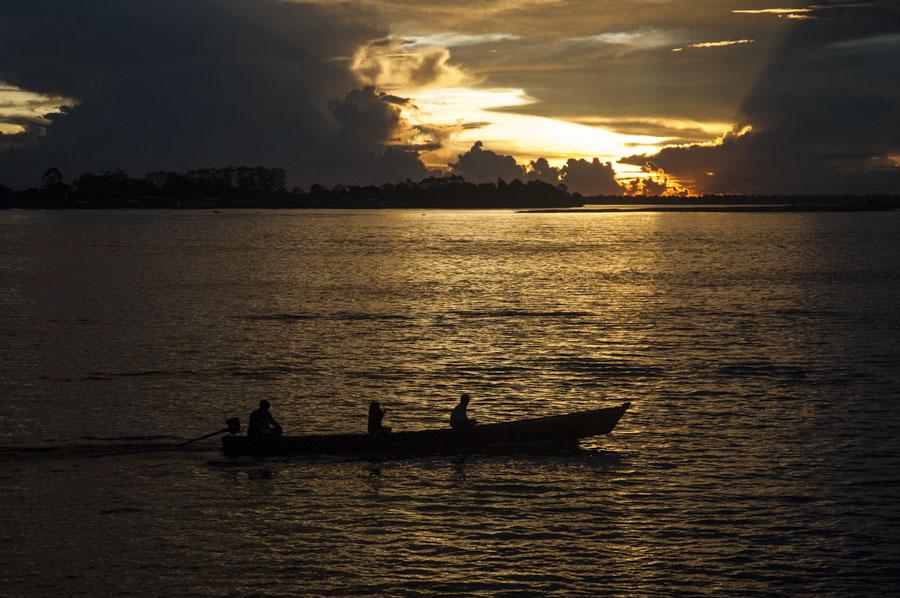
column 468, row 114
column 449, row 108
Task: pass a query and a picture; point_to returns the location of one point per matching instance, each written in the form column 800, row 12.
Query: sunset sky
column 703, row 95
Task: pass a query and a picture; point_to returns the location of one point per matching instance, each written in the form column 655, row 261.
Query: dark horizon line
column 260, row 187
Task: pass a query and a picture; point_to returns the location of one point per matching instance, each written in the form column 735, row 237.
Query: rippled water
column 759, row 352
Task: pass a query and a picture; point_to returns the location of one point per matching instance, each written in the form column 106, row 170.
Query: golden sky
column 650, row 86
column 571, row 79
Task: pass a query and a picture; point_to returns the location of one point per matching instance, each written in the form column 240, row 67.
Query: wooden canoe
column 556, row 429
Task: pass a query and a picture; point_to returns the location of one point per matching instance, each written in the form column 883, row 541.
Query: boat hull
column 558, row 429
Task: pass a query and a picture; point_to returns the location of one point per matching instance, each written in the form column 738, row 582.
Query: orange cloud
column 772, row 11
column 721, row 44
column 392, row 64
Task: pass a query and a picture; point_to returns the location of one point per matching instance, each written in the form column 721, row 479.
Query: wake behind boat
column 556, row 429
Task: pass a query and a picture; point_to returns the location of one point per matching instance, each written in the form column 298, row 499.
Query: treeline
column 258, row 187
column 442, row 192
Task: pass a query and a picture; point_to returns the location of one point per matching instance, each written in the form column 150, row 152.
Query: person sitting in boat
column 459, row 419
column 376, row 414
column 262, row 423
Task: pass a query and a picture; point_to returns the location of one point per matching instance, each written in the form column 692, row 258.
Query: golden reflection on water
column 756, row 349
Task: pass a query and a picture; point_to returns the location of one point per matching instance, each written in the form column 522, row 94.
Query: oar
column 234, row 426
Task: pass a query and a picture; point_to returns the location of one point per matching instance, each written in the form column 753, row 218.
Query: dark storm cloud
column 581, row 176
column 590, row 178
column 481, row 165
column 366, row 116
column 540, row 170
column 177, row 84
column 823, row 114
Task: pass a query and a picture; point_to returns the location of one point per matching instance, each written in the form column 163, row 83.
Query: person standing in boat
column 262, row 423
column 376, row 415
column 459, row 419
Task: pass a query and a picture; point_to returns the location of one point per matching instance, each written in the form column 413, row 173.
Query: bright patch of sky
column 772, row 11
column 526, row 137
column 455, row 40
column 19, row 107
column 643, row 39
column 721, row 44
column 713, row 129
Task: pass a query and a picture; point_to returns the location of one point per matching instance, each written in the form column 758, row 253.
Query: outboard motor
column 234, row 425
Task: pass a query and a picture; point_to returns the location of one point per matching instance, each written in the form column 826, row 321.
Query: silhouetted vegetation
column 258, row 187
column 6, row 197
column 244, row 187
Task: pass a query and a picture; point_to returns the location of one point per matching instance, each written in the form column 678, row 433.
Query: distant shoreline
column 257, row 187
column 715, row 208
column 699, row 207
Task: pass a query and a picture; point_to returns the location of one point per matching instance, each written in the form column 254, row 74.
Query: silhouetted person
column 376, row 414
column 459, row 419
column 262, row 424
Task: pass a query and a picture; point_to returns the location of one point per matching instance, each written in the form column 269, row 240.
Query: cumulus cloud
column 540, row 170
column 366, row 116
column 590, row 178
column 170, row 84
column 393, row 63
column 656, row 184
column 479, row 165
column 649, row 187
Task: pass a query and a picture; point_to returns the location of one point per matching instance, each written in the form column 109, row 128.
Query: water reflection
column 757, row 350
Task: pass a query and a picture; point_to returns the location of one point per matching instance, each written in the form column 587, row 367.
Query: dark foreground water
column 760, row 352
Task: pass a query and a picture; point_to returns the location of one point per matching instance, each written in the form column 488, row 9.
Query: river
column 759, row 352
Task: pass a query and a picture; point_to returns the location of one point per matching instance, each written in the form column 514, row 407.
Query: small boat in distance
column 552, row 430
